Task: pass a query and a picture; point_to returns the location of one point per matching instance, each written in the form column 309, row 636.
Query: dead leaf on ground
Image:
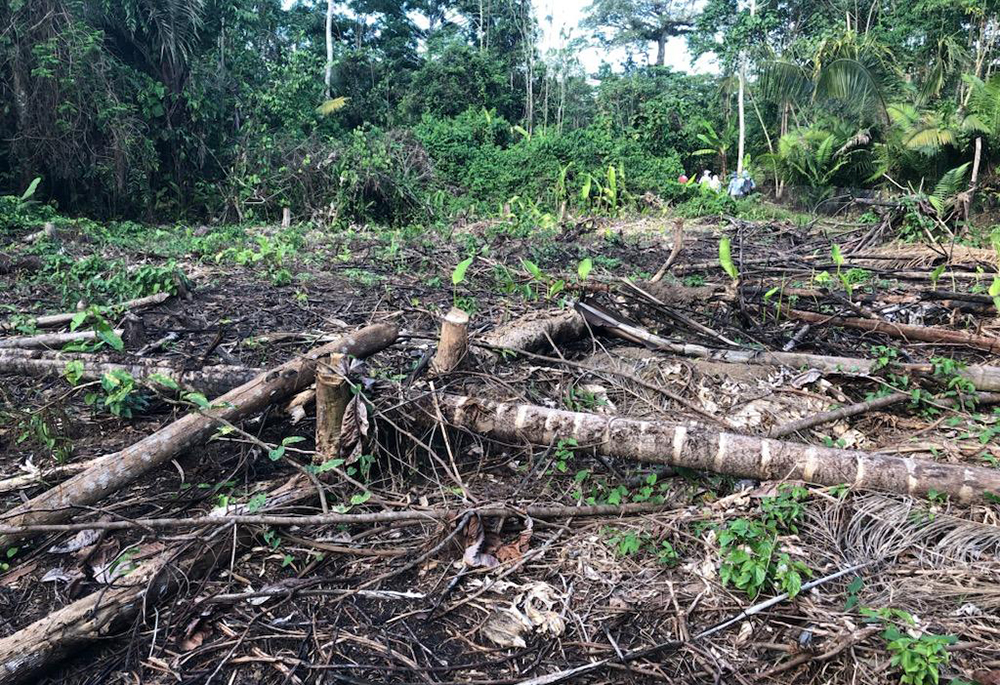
column 354, row 429
column 85, row 538
column 475, row 538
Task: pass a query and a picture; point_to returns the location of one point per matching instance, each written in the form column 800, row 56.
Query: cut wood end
column 457, row 316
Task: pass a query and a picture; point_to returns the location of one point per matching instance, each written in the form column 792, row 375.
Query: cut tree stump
column 209, row 380
column 89, row 487
column 113, row 609
column 453, row 343
column 332, row 395
column 698, row 448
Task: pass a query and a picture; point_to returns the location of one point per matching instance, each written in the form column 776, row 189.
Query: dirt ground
column 400, row 602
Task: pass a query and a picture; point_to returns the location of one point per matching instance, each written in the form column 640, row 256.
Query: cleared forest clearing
column 603, row 476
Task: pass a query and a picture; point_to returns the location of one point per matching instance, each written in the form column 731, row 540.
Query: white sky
column 567, row 14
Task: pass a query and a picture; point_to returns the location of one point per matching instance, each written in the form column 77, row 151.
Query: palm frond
column 330, row 106
column 784, row 81
column 951, row 183
column 853, row 82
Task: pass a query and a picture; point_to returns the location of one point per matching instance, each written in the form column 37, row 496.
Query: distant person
column 706, row 178
column 715, row 183
column 742, row 184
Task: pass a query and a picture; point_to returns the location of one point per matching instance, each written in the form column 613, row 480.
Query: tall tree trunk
column 661, row 50
column 740, row 103
column 329, row 49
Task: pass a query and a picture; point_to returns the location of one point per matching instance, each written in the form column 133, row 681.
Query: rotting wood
column 453, row 343
column 989, row 344
column 534, row 331
column 210, row 380
column 89, row 487
column 41, row 644
column 332, row 394
column 49, row 340
column 699, row 448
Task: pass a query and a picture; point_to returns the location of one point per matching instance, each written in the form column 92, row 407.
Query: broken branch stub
column 698, row 448
column 332, row 395
column 59, row 503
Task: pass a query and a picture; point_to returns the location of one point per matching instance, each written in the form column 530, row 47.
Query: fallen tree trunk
column 132, row 462
column 985, row 378
column 534, row 331
column 899, row 330
column 112, row 609
column 210, row 380
column 55, row 320
column 49, row 340
column 702, row 449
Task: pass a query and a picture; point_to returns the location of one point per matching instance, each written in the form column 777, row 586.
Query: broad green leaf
column 198, row 399
column 78, row 320
column 838, row 257
column 32, row 187
column 361, row 498
column 458, row 275
column 584, row 268
column 277, row 453
column 164, row 380
column 726, row 259
column 533, row 269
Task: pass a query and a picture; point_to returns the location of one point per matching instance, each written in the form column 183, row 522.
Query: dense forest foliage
column 163, row 109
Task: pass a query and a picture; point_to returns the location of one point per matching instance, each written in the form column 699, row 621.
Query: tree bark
column 332, row 395
column 702, row 449
column 114, row 608
column 56, row 320
column 49, row 340
column 328, row 77
column 661, row 50
column 59, row 503
column 209, row 380
column 453, row 343
column 533, row 331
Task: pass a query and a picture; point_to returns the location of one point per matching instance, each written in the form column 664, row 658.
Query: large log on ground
column 533, row 332
column 113, row 609
column 55, row 320
column 49, row 340
column 985, row 378
column 109, row 475
column 702, row 449
column 210, row 380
